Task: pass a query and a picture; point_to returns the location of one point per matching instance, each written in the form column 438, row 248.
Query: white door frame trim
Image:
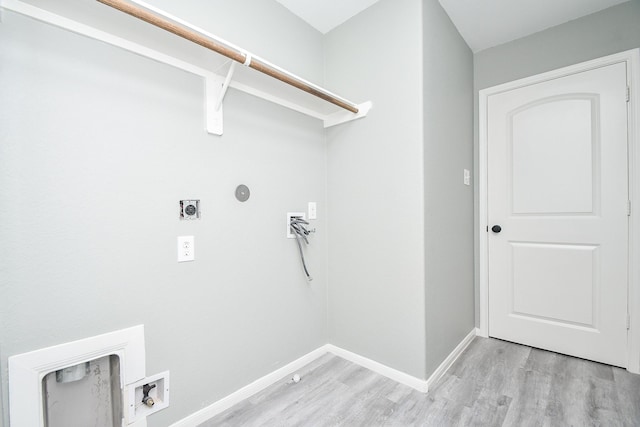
column 632, row 59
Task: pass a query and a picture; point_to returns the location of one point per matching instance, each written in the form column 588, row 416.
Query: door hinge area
column 628, row 321
column 628, row 93
column 628, row 207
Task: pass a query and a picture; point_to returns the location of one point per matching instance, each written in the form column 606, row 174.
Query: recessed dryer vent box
column 156, row 398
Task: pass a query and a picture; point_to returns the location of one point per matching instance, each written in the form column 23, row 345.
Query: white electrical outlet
column 290, row 215
column 313, row 210
column 467, row 177
column 186, row 248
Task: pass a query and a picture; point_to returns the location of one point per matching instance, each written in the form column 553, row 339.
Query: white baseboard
column 260, row 384
column 446, row 364
column 482, row 333
column 379, row 368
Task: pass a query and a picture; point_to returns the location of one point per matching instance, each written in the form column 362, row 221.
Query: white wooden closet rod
column 233, row 53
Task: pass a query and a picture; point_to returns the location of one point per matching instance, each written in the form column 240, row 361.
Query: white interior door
column 558, row 189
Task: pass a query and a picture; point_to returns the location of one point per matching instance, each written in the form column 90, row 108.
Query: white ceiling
column 482, row 23
column 325, row 15
column 488, row 23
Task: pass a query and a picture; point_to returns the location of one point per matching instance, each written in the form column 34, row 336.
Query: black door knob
column 496, row 229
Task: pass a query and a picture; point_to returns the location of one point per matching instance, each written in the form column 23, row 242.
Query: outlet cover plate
column 186, row 248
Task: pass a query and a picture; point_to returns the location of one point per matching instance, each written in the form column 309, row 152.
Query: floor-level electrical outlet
column 290, row 215
column 148, row 396
column 186, row 248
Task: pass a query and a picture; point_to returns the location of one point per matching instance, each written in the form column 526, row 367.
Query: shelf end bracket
column 225, row 85
column 213, row 116
column 346, row 116
column 215, row 93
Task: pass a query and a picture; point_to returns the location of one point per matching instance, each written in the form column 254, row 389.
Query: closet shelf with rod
column 103, row 24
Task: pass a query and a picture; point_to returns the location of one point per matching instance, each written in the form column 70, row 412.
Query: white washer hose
column 297, row 226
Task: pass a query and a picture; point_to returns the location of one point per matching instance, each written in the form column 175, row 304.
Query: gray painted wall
column 265, row 28
column 612, row 30
column 97, row 146
column 448, row 204
column 375, row 188
column 95, row 141
column 603, row 33
column 400, row 219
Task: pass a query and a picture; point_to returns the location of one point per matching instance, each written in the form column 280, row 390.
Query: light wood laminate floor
column 493, row 383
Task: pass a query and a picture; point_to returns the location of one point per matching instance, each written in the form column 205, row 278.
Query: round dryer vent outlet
column 242, row 193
